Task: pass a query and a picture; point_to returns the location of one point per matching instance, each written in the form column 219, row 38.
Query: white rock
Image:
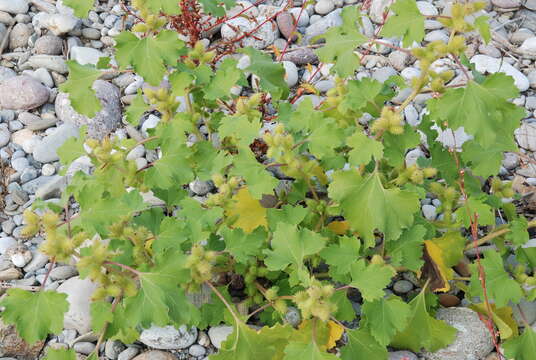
column 50, row 62
column 427, row 8
column 429, row 212
column 150, row 123
column 484, row 63
column 265, row 34
column 14, row 6
column 6, row 243
column 451, row 138
column 44, row 77
column 291, row 73
column 410, row 73
column 58, row 24
column 21, row 258
column 86, row 55
column 526, row 136
column 169, row 338
column 529, row 46
column 303, row 18
column 377, row 8
column 218, row 334
column 323, row 7
column 411, row 115
column 79, row 293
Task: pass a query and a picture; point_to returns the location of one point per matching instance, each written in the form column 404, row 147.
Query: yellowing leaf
column 502, row 318
column 339, row 227
column 435, row 268
column 248, row 212
column 335, row 333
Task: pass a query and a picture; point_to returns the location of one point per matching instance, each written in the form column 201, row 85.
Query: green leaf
column 214, row 8
column 452, row 245
column 81, row 7
column 101, row 313
column 341, row 256
column 500, row 286
column 259, row 180
column 371, row 279
column 72, row 148
column 136, row 109
column 484, row 110
column 149, row 55
column 311, row 351
column 364, row 149
column 522, row 347
column 396, row 146
column 325, row 139
column 180, row 81
column 407, row 250
column 388, row 210
column 290, row 246
column 518, row 234
column 341, row 41
column 170, row 235
column 408, row 23
column 482, row 25
column 486, row 161
column 385, row 317
column 467, row 211
column 60, row 354
column 79, row 87
column 172, row 168
column 240, row 129
column 423, row 331
column 362, row 346
column 226, row 77
column 170, row 7
column 246, row 343
column 345, row 310
column 244, row 246
column 362, row 94
column 271, row 74
column 35, row 314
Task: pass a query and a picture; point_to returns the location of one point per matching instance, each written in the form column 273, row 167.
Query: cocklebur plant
column 349, row 220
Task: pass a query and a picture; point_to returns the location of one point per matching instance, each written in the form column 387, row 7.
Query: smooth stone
column 427, row 8
column 473, row 339
column 302, row 17
column 105, row 121
column 58, row 24
column 323, row 7
column 285, row 22
column 44, row 77
column 22, row 93
column 84, row 347
column 377, row 10
column 112, row 349
column 293, row 316
column 429, row 212
column 155, row 355
column 10, row 274
column 291, row 73
column 5, row 136
column 6, row 73
column 19, row 36
column 168, row 337
column 320, row 27
column 201, row 188
column 14, row 6
column 38, row 261
column 218, row 334
column 46, row 150
column 301, row 56
column 48, row 45
column 526, row 136
column 402, row 355
column 528, row 309
column 484, row 63
column 383, row 73
column 128, row 353
column 49, row 62
column 86, row 55
column 6, row 243
column 265, row 35
column 506, row 4
column 529, row 46
column 53, row 188
column 79, row 294
column 63, row 272
column 402, row 287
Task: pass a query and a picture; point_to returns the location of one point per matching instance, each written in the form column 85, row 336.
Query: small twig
column 124, row 267
column 51, row 266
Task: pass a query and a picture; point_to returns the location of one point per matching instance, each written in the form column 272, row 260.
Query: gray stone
column 84, row 347
column 291, row 73
column 169, row 337
column 218, row 334
column 44, row 77
column 426, row 8
column 53, row 188
column 11, row 344
column 301, row 56
column 197, row 350
column 49, row 62
column 6, row 73
column 128, row 353
column 484, row 63
column 429, row 212
column 293, row 316
column 473, row 339
column 155, row 355
column 528, row 308
column 14, row 6
column 113, row 349
column 46, row 150
column 324, row 24
column 529, row 19
column 402, row 287
column 506, row 4
column 377, row 9
column 529, row 46
column 22, row 93
column 265, row 35
column 105, row 121
column 79, row 297
column 201, row 187
column 63, row 272
column 48, row 45
column 38, row 261
column 19, row 36
column 5, row 136
column 402, row 355
column 383, row 73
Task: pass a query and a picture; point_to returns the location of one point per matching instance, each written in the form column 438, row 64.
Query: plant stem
column 227, row 305
column 504, row 229
column 124, row 267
